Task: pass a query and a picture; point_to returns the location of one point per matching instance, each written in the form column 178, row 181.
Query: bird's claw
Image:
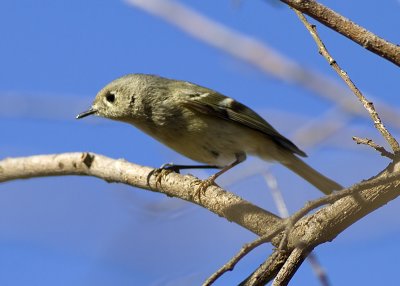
column 161, row 172
column 203, row 186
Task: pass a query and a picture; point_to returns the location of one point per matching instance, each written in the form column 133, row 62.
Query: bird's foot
column 161, row 172
column 203, row 186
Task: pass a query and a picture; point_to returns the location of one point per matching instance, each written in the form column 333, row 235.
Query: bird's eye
column 110, row 97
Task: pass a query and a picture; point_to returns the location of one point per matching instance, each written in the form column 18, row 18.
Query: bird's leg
column 171, row 167
column 178, row 168
column 240, row 157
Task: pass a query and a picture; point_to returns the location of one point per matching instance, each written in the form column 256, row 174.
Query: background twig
column 369, row 106
column 347, row 28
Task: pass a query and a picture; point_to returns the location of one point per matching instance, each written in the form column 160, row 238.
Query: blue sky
column 56, row 55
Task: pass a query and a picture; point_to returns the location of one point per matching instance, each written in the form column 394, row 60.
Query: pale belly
column 215, row 148
column 215, row 145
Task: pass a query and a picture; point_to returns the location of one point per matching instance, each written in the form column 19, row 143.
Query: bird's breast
column 200, row 138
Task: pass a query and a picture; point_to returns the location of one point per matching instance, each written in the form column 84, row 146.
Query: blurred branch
column 320, row 128
column 276, row 194
column 43, row 106
column 347, row 28
column 318, row 269
column 257, row 54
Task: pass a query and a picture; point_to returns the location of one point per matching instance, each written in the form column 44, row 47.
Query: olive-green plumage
column 200, row 123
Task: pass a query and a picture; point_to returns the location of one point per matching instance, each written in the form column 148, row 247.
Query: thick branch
column 348, row 206
column 267, row 270
column 215, row 199
column 327, row 223
column 347, row 28
column 290, row 267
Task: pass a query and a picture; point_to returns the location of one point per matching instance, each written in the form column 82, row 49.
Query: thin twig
column 312, row 205
column 369, row 106
column 379, row 148
column 234, row 260
column 347, row 28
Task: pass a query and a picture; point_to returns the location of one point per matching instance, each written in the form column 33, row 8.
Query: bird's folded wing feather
column 216, row 104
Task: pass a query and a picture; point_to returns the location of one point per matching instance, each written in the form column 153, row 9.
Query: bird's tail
column 312, row 176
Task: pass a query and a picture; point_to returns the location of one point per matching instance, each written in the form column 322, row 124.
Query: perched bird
column 201, row 124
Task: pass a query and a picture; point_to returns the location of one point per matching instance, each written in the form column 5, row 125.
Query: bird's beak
column 86, row 113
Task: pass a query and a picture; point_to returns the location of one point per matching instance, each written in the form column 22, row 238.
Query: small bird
column 201, row 124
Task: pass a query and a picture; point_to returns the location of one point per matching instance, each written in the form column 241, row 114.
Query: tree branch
column 290, row 267
column 348, row 206
column 267, row 270
column 360, row 200
column 308, row 232
column 234, row 260
column 379, row 148
column 217, row 200
column 284, row 213
column 347, row 28
column 369, row 106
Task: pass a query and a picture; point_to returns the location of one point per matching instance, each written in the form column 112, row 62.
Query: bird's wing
column 216, row 104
